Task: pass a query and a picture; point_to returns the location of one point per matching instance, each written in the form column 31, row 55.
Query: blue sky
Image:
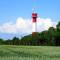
column 11, row 10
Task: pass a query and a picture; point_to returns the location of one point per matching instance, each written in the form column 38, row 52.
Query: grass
column 29, row 52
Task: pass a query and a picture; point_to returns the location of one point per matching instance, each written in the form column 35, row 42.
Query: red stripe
column 34, row 15
column 34, row 20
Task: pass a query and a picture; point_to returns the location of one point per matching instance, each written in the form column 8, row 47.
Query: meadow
column 10, row 52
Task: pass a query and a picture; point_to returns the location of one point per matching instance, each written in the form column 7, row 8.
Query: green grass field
column 29, row 53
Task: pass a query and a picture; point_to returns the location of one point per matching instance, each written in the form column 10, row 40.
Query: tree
column 1, row 42
column 57, row 38
column 57, row 35
column 15, row 41
column 27, row 40
column 58, row 26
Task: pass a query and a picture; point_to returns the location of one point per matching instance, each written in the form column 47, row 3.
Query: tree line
column 50, row 37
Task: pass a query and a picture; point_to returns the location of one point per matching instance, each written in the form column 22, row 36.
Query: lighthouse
column 34, row 23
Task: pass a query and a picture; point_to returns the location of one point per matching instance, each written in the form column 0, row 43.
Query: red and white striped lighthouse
column 34, row 22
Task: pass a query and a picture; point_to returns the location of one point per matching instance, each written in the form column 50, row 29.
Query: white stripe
column 34, row 27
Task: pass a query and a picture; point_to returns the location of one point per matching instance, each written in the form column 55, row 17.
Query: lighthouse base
column 34, row 33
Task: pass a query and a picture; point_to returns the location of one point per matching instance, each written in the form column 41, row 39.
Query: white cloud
column 44, row 24
column 8, row 28
column 24, row 26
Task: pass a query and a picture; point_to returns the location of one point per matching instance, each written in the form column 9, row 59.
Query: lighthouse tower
column 34, row 22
